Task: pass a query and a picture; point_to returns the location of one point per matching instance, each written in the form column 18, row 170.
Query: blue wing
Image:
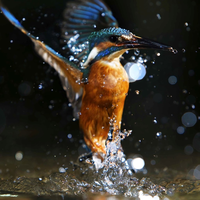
column 81, row 17
column 69, row 73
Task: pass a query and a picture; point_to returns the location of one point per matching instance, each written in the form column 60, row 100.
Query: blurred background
column 38, row 134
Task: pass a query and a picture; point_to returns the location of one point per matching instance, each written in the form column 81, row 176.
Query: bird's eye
column 113, row 38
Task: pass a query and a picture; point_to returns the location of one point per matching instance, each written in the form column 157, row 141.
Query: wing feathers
column 70, row 74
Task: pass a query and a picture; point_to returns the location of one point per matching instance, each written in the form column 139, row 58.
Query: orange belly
column 102, row 103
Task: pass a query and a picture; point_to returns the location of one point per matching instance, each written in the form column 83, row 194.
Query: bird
column 91, row 73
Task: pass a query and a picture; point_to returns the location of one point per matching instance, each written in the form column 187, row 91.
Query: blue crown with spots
column 103, row 35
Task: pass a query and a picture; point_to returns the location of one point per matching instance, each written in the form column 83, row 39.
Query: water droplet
column 150, row 76
column 137, row 163
column 69, row 136
column 183, row 50
column 185, row 91
column 196, row 172
column 158, row 16
column 140, row 60
column 188, row 29
column 19, row 155
column 62, row 170
column 174, row 51
column 159, row 135
column 189, row 119
column 153, row 162
column 137, row 92
column 158, row 3
column 180, row 130
column 158, row 54
column 40, row 86
column 188, row 150
column 155, row 121
column 132, row 58
column 172, row 80
column 135, row 71
column 137, row 52
column 50, row 107
column 145, row 60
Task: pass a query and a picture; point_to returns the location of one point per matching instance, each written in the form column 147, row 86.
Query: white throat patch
column 91, row 56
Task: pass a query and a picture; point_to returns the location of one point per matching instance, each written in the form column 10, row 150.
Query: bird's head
column 113, row 42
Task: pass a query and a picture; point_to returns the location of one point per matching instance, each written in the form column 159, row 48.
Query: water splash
column 114, row 175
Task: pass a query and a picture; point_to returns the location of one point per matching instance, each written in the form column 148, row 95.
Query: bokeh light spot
column 188, row 150
column 137, row 163
column 135, row 71
column 153, row 162
column 19, row 156
column 62, row 170
column 180, row 130
column 172, row 80
column 197, row 172
column 189, row 119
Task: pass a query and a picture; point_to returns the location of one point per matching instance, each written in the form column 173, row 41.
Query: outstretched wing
column 69, row 73
column 81, row 17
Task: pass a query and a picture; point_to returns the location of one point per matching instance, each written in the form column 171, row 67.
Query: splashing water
column 114, row 175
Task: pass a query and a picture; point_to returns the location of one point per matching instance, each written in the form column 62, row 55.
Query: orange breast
column 103, row 102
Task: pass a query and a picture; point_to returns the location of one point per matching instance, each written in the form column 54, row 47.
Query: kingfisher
column 91, row 73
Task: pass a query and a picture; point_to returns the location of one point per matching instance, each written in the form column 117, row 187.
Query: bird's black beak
column 142, row 43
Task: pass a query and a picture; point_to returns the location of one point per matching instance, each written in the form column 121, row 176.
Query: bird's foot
column 86, row 157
